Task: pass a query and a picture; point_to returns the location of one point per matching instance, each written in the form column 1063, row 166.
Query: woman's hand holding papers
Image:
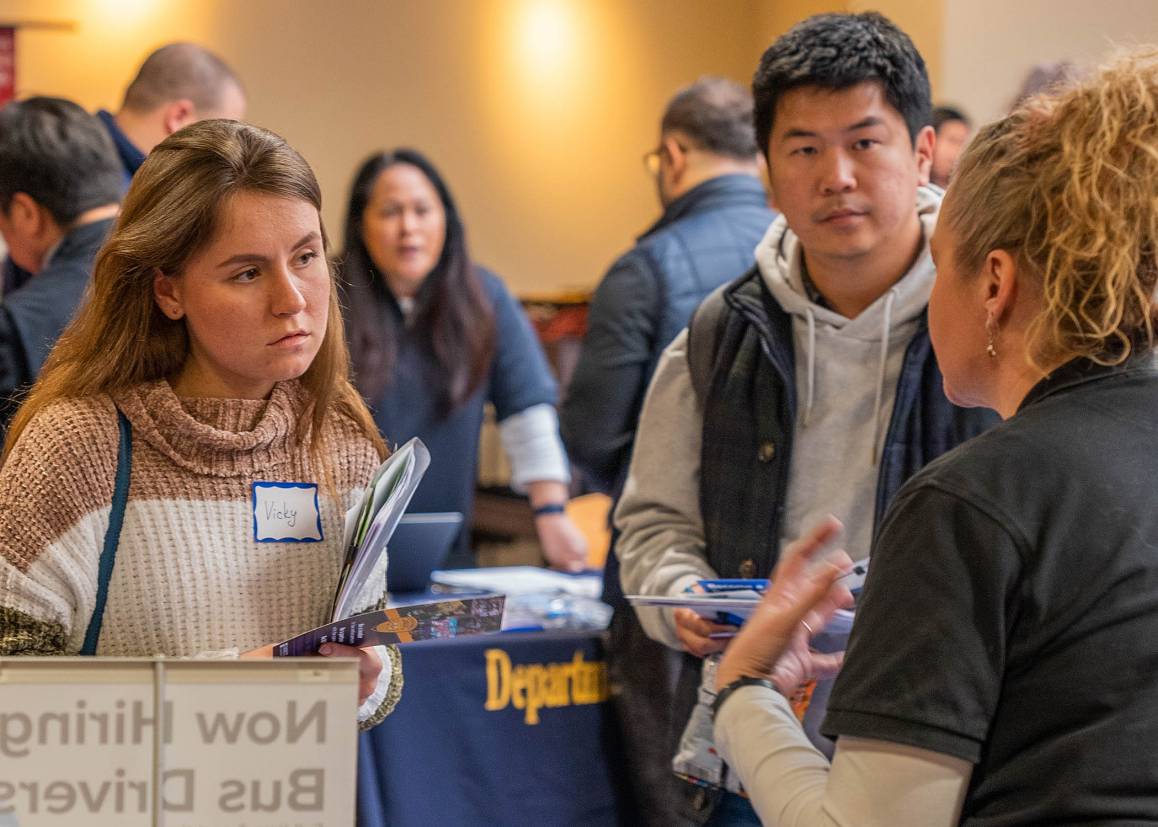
column 805, row 592
column 369, row 664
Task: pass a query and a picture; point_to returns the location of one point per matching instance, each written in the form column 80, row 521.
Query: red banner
column 7, row 64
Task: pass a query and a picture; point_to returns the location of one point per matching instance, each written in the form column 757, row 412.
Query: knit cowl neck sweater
column 191, row 576
column 218, row 437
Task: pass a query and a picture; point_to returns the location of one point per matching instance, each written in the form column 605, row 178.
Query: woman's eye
column 307, row 257
column 246, row 275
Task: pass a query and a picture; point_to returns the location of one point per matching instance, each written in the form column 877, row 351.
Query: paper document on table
column 522, row 580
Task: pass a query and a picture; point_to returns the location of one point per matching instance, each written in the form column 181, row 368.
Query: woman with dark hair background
column 433, row 337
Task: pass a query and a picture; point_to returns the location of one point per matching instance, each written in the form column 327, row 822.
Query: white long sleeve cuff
column 532, row 443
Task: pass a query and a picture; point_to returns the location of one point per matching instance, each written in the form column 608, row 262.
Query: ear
column 178, row 114
column 167, row 294
column 677, row 157
column 923, row 150
column 27, row 215
column 999, row 284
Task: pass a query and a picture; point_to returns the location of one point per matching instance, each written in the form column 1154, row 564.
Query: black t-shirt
column 1010, row 616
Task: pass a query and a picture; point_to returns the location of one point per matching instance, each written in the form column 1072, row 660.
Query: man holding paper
column 808, row 385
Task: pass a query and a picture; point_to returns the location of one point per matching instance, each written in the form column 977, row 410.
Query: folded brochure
column 371, row 522
column 404, row 624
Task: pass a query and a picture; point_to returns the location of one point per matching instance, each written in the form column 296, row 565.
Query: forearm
column 547, row 492
column 661, row 545
column 869, row 783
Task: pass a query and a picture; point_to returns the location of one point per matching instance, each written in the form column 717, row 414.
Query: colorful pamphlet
column 404, row 624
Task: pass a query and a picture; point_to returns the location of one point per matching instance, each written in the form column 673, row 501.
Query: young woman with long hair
column 433, row 337
column 210, row 352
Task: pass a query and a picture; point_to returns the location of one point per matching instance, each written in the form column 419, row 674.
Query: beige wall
column 920, row 19
column 537, row 111
column 990, row 45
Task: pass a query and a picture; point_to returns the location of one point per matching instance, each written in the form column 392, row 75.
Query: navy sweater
column 519, row 378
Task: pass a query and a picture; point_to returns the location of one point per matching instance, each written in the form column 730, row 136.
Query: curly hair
column 1068, row 184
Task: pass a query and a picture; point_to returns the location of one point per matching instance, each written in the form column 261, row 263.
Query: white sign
column 99, row 741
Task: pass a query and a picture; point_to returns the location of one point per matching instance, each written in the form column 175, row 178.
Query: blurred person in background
column 715, row 210
column 433, row 337
column 178, row 84
column 952, row 128
column 1045, row 78
column 60, row 188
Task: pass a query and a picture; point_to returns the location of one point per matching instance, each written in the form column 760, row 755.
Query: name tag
column 286, row 512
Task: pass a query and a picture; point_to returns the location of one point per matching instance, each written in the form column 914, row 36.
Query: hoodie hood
column 780, row 259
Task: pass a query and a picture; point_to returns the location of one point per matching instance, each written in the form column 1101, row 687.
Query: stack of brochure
column 731, row 602
column 371, row 522
column 722, row 601
column 369, row 526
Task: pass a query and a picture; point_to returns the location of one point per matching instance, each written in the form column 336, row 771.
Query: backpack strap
column 705, row 330
column 112, row 535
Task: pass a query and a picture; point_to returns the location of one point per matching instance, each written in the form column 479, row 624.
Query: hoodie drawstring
column 878, row 404
column 811, row 366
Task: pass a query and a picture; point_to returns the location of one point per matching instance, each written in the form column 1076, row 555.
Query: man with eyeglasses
column 715, row 210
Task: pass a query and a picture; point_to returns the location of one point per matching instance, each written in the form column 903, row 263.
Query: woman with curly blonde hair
column 1001, row 669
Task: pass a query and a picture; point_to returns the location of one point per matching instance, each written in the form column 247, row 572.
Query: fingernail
column 326, row 649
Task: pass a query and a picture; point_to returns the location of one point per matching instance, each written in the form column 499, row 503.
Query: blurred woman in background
column 433, row 337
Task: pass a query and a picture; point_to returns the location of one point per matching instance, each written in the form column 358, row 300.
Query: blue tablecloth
column 510, row 729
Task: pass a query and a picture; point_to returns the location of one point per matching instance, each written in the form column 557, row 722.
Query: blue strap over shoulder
column 112, row 535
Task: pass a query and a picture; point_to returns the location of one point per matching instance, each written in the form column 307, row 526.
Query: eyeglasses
column 652, row 160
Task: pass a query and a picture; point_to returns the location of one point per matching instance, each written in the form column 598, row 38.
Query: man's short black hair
column 716, row 114
column 839, row 51
column 943, row 114
column 58, row 154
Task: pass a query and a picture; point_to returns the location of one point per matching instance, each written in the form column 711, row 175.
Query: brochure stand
column 153, row 741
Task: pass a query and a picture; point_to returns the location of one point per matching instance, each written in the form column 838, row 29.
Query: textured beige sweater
column 190, row 579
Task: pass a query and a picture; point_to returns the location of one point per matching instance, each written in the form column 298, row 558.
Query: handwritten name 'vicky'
column 282, row 512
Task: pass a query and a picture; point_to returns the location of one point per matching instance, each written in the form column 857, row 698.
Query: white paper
column 522, row 580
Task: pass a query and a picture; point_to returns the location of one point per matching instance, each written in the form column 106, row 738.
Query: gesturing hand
column 803, row 595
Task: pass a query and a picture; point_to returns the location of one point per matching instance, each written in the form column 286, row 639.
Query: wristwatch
column 727, row 691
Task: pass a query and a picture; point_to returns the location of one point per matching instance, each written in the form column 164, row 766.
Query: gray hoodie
column 846, row 374
column 846, row 379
